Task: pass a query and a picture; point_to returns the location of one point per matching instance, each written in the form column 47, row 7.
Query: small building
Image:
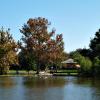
column 70, row 64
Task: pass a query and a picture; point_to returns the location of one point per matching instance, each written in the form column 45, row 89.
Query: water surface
column 49, row 88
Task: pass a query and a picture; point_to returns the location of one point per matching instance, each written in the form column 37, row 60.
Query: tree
column 85, row 62
column 43, row 46
column 7, row 51
column 96, row 66
column 85, row 52
column 95, row 45
column 27, row 62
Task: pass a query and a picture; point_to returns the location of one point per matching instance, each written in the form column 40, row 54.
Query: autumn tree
column 44, row 46
column 7, row 51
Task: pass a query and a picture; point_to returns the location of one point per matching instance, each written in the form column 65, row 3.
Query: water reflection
column 43, row 82
column 44, row 88
column 49, row 88
column 82, row 89
column 6, row 82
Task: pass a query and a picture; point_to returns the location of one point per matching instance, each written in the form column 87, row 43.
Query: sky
column 77, row 20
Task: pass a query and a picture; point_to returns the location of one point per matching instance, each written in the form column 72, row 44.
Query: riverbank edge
column 43, row 73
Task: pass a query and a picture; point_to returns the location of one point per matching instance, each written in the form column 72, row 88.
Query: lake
column 49, row 88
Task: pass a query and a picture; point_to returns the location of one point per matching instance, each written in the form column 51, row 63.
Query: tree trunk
column 38, row 68
column 1, row 71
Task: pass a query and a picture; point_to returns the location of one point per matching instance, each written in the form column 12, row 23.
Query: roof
column 69, row 61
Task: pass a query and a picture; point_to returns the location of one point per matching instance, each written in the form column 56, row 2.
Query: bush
column 86, row 64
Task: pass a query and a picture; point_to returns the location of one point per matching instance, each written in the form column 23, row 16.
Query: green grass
column 67, row 71
column 72, row 72
column 25, row 73
column 20, row 72
column 65, row 74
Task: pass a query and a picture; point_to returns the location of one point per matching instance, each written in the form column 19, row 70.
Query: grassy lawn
column 71, row 72
column 25, row 73
column 65, row 74
column 67, row 71
column 20, row 72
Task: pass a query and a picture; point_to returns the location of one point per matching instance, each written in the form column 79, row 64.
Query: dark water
column 49, row 88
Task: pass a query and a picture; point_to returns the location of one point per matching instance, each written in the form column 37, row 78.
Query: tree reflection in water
column 6, row 82
column 49, row 88
column 44, row 88
column 43, row 82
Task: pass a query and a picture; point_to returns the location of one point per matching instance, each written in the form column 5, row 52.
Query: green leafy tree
column 43, row 46
column 95, row 48
column 85, row 52
column 86, row 64
column 95, row 45
column 7, row 51
column 27, row 62
column 96, row 66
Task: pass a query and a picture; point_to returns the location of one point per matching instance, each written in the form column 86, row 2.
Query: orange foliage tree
column 46, row 47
